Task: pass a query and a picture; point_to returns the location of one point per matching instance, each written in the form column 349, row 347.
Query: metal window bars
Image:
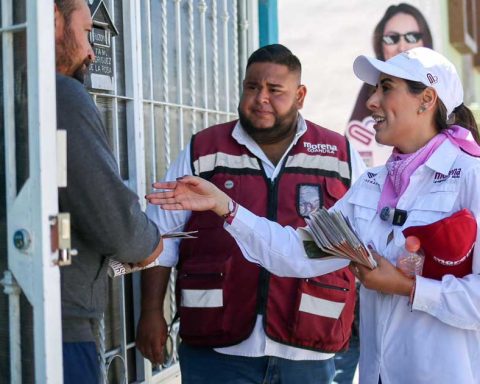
column 181, row 65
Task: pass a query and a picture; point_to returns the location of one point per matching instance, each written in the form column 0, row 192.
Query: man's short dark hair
column 277, row 54
column 66, row 8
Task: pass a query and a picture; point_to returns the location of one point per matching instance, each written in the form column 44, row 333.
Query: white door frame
column 33, row 268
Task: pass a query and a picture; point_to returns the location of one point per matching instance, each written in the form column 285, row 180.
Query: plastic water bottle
column 411, row 261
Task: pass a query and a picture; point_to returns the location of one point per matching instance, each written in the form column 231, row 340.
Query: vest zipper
column 328, row 286
column 264, row 278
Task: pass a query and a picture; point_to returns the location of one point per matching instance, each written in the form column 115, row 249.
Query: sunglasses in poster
column 409, row 37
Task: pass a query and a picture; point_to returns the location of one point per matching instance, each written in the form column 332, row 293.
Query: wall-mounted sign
column 101, row 70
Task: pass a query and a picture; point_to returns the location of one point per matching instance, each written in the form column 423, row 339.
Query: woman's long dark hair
column 392, row 11
column 461, row 115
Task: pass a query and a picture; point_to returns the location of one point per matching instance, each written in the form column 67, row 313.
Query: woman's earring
column 422, row 108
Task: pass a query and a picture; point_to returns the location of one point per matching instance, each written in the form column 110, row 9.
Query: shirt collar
column 441, row 161
column 443, row 158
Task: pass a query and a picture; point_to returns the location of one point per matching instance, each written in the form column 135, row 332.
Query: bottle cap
column 412, row 244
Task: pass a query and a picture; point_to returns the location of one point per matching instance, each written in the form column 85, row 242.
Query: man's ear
column 59, row 21
column 300, row 95
column 56, row 12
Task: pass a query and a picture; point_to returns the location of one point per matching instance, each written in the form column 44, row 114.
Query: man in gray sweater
column 106, row 218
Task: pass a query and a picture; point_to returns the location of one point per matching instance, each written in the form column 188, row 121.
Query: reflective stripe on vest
column 320, row 307
column 327, row 163
column 209, row 162
column 202, row 298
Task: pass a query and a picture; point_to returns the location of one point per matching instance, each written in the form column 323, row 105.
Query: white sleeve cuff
column 427, row 295
column 244, row 219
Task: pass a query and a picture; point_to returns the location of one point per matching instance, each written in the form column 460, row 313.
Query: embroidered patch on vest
column 309, row 199
column 321, row 148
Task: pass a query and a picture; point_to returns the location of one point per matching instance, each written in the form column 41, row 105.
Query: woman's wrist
column 407, row 287
column 221, row 205
column 412, row 292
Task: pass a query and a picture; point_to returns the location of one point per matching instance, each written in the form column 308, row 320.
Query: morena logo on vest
column 320, row 148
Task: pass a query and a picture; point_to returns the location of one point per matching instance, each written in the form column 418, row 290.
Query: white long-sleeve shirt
column 437, row 340
column 257, row 344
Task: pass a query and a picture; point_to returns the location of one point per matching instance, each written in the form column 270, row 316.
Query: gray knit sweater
column 106, row 218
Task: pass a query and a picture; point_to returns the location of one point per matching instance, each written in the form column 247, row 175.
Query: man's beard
column 66, row 49
column 282, row 127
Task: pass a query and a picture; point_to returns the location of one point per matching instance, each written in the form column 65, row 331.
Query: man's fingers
column 145, row 350
column 157, row 353
column 152, row 351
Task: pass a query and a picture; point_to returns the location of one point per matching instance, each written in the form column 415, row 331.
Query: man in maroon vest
column 238, row 322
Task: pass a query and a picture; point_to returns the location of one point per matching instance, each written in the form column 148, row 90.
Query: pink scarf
column 401, row 166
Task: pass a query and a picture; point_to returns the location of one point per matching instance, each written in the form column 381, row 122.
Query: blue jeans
column 205, row 366
column 80, row 363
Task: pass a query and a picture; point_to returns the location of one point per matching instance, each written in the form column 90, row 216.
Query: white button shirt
column 257, row 344
column 437, row 340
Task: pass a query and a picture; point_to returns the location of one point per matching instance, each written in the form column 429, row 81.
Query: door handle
column 61, row 240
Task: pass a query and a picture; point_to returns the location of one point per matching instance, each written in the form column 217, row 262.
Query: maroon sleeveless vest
column 219, row 293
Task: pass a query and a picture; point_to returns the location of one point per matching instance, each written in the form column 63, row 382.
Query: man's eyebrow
column 269, row 84
column 276, row 85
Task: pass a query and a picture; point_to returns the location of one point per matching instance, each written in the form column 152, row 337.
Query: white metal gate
column 177, row 70
column 32, row 281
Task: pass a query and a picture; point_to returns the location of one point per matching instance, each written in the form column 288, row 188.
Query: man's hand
column 386, row 278
column 189, row 193
column 152, row 333
column 152, row 327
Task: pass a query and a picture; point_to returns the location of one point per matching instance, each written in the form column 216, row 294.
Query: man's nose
column 91, row 54
column 263, row 95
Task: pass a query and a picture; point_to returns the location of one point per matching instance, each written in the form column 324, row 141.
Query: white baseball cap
column 417, row 64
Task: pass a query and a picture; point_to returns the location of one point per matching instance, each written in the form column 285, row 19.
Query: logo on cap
column 432, row 79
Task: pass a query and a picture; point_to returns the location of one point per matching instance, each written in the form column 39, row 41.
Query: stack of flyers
column 335, row 237
column 117, row 268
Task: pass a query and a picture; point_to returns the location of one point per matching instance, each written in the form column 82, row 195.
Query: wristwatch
column 232, row 209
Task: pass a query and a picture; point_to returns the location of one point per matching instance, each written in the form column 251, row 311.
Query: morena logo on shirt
column 370, row 179
column 453, row 173
column 320, row 148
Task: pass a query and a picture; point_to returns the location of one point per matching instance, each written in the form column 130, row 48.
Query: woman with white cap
column 420, row 330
